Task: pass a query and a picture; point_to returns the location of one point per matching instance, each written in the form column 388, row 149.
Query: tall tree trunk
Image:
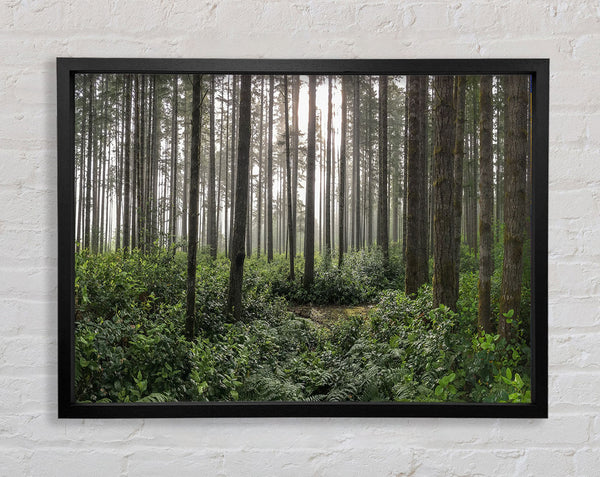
column 260, row 167
column 459, row 153
column 342, row 180
column 88, row 178
column 212, row 177
column 328, row 174
column 382, row 215
column 233, row 159
column 119, row 129
column 405, row 175
column 444, row 290
column 309, row 241
column 416, row 204
column 289, row 179
column 269, row 214
column 515, row 203
column 295, row 147
column 174, row 139
column 155, row 158
column 486, row 203
column 236, row 273
column 190, row 317
column 356, row 163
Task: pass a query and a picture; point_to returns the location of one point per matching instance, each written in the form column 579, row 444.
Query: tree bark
column 382, row 215
column 459, row 153
column 236, row 273
column 444, row 290
column 309, row 241
column 515, row 203
column 416, row 204
column 342, row 179
column 289, row 180
column 486, row 203
column 269, row 214
column 356, row 163
column 190, row 318
column 212, row 205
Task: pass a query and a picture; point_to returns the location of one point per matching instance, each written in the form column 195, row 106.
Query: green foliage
column 130, row 345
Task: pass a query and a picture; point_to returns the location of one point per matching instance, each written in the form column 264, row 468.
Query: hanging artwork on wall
column 302, row 237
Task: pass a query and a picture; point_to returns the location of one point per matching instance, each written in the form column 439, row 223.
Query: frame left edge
column 66, row 228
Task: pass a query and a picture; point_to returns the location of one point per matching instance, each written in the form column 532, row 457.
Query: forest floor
column 327, row 315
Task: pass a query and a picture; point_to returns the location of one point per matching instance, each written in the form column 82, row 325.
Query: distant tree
column 236, row 273
column 173, row 185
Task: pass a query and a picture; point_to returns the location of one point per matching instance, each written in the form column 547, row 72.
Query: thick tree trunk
column 486, row 203
column 515, row 203
column 309, row 241
column 190, row 317
column 444, row 289
column 236, row 273
column 382, row 215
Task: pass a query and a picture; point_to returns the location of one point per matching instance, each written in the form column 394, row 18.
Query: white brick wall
column 34, row 32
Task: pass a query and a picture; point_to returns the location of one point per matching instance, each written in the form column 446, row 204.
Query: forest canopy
column 302, row 238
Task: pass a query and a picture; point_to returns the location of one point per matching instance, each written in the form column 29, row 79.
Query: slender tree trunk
column 174, row 139
column 328, row 174
column 190, row 318
column 295, row 147
column 309, row 241
column 443, row 177
column 416, row 207
column 356, row 163
column 260, row 167
column 515, row 210
column 382, row 215
column 212, row 177
column 233, row 159
column 342, row 180
column 459, row 153
column 234, row 303
column 269, row 214
column 88, row 178
column 486, row 203
column 289, row 179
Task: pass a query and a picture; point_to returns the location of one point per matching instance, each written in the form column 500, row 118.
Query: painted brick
column 33, row 34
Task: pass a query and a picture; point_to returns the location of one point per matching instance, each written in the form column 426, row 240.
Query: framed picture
column 341, row 238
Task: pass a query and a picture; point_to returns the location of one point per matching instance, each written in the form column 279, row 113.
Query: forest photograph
column 302, row 238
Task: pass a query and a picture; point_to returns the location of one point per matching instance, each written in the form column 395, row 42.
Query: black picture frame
column 67, row 405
